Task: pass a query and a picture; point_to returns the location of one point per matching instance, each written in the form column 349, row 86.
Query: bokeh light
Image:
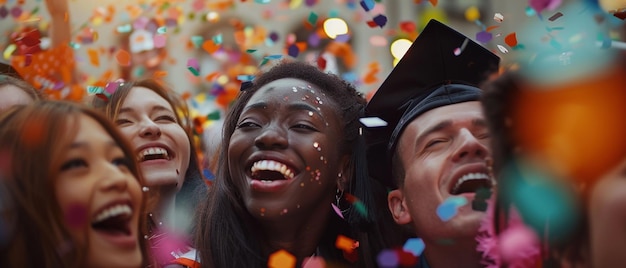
column 334, row 27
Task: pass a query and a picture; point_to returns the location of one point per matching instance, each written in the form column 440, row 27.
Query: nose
column 470, row 147
column 271, row 137
column 149, row 130
column 114, row 179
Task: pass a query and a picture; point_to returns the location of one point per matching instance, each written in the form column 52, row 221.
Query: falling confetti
column 498, row 17
column 281, row 259
column 415, row 246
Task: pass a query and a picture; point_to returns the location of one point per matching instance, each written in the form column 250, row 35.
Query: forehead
column 292, row 90
column 141, row 96
column 456, row 113
column 88, row 129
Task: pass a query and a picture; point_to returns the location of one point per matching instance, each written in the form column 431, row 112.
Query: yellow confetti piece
column 472, row 14
column 295, row 4
column 281, row 259
column 8, row 51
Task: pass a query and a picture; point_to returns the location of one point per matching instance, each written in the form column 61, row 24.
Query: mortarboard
column 7, row 69
column 441, row 67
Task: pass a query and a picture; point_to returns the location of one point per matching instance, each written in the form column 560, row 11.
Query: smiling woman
column 290, row 150
column 157, row 124
column 71, row 200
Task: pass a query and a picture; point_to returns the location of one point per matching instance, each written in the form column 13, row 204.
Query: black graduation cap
column 441, row 67
column 7, row 69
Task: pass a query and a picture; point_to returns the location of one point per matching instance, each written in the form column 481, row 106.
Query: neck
column 299, row 235
column 463, row 254
column 163, row 212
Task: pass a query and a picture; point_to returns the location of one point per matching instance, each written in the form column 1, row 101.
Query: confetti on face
column 448, row 209
column 415, row 246
column 76, row 216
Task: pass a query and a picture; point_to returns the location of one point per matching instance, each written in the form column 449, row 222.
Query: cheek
column 74, row 202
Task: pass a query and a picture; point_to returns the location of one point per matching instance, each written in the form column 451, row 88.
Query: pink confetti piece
column 159, row 41
column 337, row 210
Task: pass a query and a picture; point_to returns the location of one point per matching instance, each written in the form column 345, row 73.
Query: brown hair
column 32, row 138
column 192, row 187
column 21, row 84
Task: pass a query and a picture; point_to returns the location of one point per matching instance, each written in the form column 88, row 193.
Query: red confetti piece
column 321, row 63
column 408, row 26
column 511, row 40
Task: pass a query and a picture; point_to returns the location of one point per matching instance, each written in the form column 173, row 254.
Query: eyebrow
column 476, row 122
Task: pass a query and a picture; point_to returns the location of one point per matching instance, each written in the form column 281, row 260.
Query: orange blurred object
column 577, row 129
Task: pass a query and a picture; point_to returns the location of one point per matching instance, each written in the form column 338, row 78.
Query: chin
column 163, row 179
column 112, row 260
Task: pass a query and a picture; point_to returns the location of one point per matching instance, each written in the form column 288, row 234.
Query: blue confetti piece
column 274, row 57
column 415, row 246
column 162, row 30
column 342, row 38
column 208, row 174
column 244, row 77
column 367, row 4
column 218, row 39
column 447, row 210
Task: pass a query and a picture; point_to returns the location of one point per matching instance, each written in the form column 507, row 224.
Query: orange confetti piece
column 186, row 95
column 345, row 243
column 212, row 76
column 123, row 57
column 281, row 259
column 159, row 74
column 93, row 57
column 210, row 47
column 490, row 28
column 511, row 40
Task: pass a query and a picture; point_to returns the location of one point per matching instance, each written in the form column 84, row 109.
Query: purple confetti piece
column 484, row 36
column 555, row 16
column 293, row 50
column 3, row 12
column 342, row 38
column 310, row 3
column 274, row 36
column 314, row 40
column 16, row 12
column 380, row 20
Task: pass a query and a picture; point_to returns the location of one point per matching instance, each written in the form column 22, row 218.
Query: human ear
column 398, row 208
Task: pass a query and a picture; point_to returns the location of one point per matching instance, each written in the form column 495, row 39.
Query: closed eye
column 167, row 118
column 434, row 142
column 121, row 121
column 303, row 127
column 247, row 124
column 122, row 161
column 73, row 163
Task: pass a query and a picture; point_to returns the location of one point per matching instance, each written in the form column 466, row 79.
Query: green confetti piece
column 214, row 115
column 312, row 18
column 217, row 39
column 197, row 41
column 161, row 30
column 126, row 28
column 250, row 51
column 194, row 71
column 74, row 45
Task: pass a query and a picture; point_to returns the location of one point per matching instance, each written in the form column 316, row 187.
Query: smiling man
column 432, row 148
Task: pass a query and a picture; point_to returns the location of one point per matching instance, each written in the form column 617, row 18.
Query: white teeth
column 470, row 176
column 152, row 151
column 273, row 166
column 114, row 211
